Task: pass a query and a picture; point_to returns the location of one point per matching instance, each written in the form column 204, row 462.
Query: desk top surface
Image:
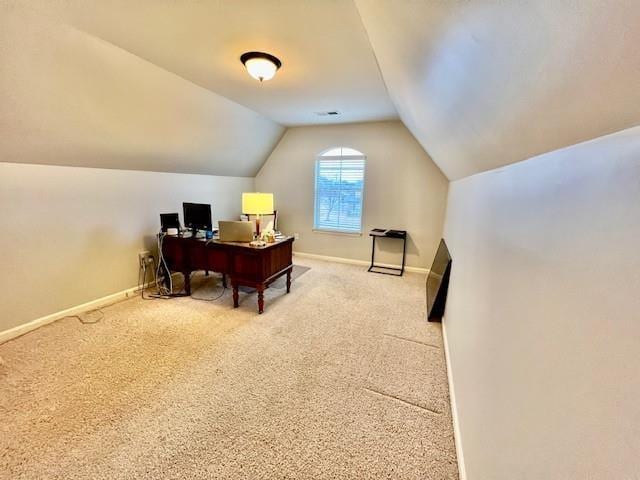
column 389, row 233
column 216, row 241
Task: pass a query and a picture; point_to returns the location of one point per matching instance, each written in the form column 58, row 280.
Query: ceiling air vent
column 326, row 114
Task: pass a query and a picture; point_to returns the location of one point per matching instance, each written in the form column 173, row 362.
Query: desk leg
column 404, row 254
column 373, row 252
column 260, row 298
column 224, row 280
column 234, row 285
column 289, row 280
column 187, row 282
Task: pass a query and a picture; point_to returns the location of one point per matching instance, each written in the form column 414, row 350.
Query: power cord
column 159, row 275
column 160, row 272
column 82, row 318
column 213, row 299
column 142, row 287
column 85, row 321
column 163, row 292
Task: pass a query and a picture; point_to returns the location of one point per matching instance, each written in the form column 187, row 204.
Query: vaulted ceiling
column 69, row 98
column 483, row 83
column 158, row 85
column 328, row 63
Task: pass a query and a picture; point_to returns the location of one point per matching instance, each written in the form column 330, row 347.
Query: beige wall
column 403, row 190
column 543, row 315
column 72, row 235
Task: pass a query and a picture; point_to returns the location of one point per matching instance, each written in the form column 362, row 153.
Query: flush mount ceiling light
column 260, row 65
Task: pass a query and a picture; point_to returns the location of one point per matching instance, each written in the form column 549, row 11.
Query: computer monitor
column 169, row 220
column 197, row 216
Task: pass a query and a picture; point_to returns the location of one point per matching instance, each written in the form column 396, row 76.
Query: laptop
column 231, row 231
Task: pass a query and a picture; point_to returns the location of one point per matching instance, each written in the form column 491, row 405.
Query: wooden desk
column 254, row 267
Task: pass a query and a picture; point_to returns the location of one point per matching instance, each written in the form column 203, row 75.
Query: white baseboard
column 352, row 261
column 77, row 310
column 462, row 472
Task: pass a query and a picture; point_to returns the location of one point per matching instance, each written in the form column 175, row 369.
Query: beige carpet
column 342, row 378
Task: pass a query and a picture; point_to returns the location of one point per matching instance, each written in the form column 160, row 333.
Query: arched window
column 339, row 190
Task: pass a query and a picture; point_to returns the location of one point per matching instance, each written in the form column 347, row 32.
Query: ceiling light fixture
column 260, row 65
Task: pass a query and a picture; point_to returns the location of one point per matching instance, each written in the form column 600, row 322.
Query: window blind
column 338, row 194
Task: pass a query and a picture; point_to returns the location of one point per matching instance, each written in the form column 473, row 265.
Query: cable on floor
column 213, row 299
column 82, row 317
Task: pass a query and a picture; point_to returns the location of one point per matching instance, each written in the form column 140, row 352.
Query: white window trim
column 333, row 231
column 343, row 233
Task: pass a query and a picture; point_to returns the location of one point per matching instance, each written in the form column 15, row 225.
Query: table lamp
column 255, row 203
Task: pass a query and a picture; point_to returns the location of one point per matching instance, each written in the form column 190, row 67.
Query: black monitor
column 169, row 220
column 197, row 216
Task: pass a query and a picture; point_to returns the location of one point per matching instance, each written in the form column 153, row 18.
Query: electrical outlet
column 296, row 236
column 144, row 257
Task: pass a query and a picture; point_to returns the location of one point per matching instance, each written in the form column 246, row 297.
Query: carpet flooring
column 341, row 378
column 281, row 282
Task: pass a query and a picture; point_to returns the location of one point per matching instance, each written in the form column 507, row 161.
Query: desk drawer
column 197, row 255
column 278, row 259
column 247, row 265
column 217, row 260
column 174, row 254
column 208, row 257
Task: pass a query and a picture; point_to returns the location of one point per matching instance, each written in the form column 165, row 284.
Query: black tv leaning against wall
column 438, row 282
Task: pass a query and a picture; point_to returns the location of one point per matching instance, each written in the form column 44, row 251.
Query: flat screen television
column 197, row 216
column 438, row 282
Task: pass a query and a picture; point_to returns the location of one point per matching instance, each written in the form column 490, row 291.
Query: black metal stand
column 399, row 234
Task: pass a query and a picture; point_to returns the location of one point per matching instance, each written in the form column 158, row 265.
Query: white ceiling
column 328, row 63
column 158, row 85
column 484, row 83
column 70, row 98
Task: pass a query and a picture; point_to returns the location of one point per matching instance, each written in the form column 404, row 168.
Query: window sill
column 338, row 232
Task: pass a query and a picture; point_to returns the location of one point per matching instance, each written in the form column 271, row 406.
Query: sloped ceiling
column 158, row 84
column 327, row 60
column 483, row 83
column 69, row 98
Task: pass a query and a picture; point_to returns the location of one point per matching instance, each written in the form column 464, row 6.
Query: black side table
column 381, row 232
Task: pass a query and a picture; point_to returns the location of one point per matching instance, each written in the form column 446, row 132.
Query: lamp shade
column 254, row 203
column 260, row 65
column 261, row 68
